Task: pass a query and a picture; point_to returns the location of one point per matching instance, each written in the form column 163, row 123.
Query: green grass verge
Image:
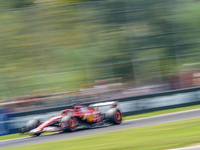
column 162, row 112
column 12, row 136
column 156, row 137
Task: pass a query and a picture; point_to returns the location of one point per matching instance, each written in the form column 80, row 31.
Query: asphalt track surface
column 125, row 125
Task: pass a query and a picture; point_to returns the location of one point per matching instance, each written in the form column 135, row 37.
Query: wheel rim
column 22, row 130
column 118, row 116
column 72, row 124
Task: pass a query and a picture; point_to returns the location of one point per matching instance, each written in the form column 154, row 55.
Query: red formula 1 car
column 77, row 118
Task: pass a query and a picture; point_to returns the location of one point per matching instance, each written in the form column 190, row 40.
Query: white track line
column 188, row 148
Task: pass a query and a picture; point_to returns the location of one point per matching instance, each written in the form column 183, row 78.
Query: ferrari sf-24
column 79, row 117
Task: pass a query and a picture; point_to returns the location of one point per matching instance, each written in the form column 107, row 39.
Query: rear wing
column 104, row 105
column 111, row 103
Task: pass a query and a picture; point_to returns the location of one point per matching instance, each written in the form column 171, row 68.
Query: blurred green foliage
column 69, row 1
column 46, row 45
column 5, row 4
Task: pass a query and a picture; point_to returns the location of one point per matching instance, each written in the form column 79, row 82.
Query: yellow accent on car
column 84, row 117
column 90, row 118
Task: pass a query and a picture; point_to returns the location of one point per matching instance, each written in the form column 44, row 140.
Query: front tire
column 69, row 123
column 73, row 123
column 22, row 130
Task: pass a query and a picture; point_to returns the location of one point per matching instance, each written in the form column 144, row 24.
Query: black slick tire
column 114, row 116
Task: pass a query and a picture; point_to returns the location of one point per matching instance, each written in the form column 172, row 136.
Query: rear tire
column 114, row 116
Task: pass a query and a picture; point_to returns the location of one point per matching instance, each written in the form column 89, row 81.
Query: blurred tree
column 16, row 3
column 68, row 45
column 22, row 3
column 69, row 1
